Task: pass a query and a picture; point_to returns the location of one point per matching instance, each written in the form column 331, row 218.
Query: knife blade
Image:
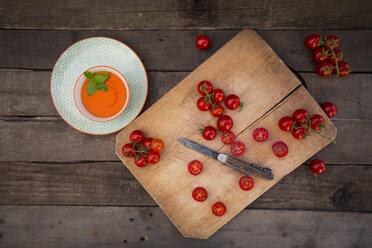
column 234, row 163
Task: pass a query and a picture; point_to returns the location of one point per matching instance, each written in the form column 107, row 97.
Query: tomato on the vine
column 217, row 111
column 312, row 41
column 208, row 87
column 280, row 149
column 147, row 142
column 339, row 55
column 208, row 132
column 320, row 55
column 127, row 150
column 285, row 123
column 260, row 134
column 317, row 166
column 218, row 95
column 200, row 194
column 227, row 137
column 141, row 162
column 157, row 145
column 246, row 183
column 335, row 41
column 153, row 157
column 218, row 209
column 233, row 102
column 202, row 105
column 317, row 121
column 224, row 123
column 299, row 115
column 195, row 167
column 136, row 136
column 299, row 132
column 202, row 42
column 237, row 148
column 344, row 69
column 325, row 69
column 329, row 108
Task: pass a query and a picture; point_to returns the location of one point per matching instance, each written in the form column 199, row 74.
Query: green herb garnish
column 96, row 82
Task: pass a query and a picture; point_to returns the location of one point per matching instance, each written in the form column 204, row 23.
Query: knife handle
column 247, row 167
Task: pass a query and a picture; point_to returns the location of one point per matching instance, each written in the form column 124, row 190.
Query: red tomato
column 344, row 69
column 260, row 134
column 325, row 69
column 199, row 194
column 285, row 123
column 299, row 115
column 280, row 149
column 317, row 121
column 141, row 162
column 320, row 55
column 312, row 41
column 136, row 136
column 217, row 111
column 208, row 132
column 299, row 133
column 153, row 157
column 157, row 145
column 224, row 123
column 335, row 41
column 127, row 150
column 329, row 108
column 195, row 167
column 317, row 166
column 202, row 42
column 237, row 148
column 227, row 137
column 233, row 102
column 339, row 55
column 218, row 95
column 207, row 85
column 246, row 183
column 147, row 142
column 218, row 209
column 202, row 105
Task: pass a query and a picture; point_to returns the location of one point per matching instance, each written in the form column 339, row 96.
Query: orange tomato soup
column 105, row 103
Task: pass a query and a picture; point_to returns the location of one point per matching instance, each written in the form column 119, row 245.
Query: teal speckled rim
column 83, row 55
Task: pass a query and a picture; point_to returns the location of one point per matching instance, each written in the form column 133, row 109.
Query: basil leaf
column 88, row 75
column 102, row 87
column 91, row 87
column 101, row 78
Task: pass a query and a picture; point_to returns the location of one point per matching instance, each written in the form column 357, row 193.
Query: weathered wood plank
column 165, row 14
column 149, row 227
column 175, row 50
column 19, row 95
column 342, row 187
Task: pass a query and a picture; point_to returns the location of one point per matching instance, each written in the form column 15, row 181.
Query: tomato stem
column 307, row 126
column 330, row 45
column 208, row 97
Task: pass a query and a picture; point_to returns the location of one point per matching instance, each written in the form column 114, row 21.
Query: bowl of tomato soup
column 102, row 105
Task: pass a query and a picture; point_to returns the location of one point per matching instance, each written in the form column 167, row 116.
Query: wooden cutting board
column 245, row 66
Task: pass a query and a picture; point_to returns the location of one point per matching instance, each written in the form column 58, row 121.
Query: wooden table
column 57, row 189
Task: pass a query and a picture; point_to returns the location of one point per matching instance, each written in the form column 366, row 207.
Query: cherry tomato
column 218, row 95
column 317, row 121
column 260, row 134
column 147, row 142
column 320, row 55
column 339, row 55
column 127, row 150
column 218, row 209
column 208, row 132
column 299, row 115
column 312, row 41
column 246, row 183
column 202, row 42
column 325, row 69
column 285, row 123
column 157, row 145
column 329, row 108
column 299, row 133
column 136, row 136
column 202, row 105
column 199, row 194
column 153, row 157
column 141, row 162
column 227, row 137
column 208, row 87
column 344, row 69
column 195, row 167
column 317, row 166
column 224, row 123
column 237, row 148
column 335, row 41
column 280, row 149
column 217, row 111
column 232, row 102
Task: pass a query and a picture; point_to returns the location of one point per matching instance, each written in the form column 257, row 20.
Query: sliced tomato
column 246, row 183
column 227, row 137
column 237, row 148
column 199, row 194
column 195, row 167
column 280, row 149
column 218, row 209
column 260, row 134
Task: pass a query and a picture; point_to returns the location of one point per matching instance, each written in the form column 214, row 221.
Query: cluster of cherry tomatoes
column 327, row 55
column 143, row 150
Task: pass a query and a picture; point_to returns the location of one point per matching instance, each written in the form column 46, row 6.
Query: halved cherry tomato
column 157, row 145
column 344, row 69
column 325, row 69
column 320, row 54
column 208, row 132
column 299, row 115
column 335, row 41
column 218, row 95
column 218, row 209
column 136, row 136
column 199, row 194
column 202, row 105
column 237, row 148
column 246, row 183
column 208, row 87
column 339, row 55
column 329, row 108
column 299, row 132
column 260, row 134
column 147, row 142
column 227, row 137
column 217, row 111
column 233, row 102
column 312, row 41
column 202, row 42
column 317, row 121
column 195, row 167
column 285, row 123
column 153, row 157
column 127, row 150
column 280, row 149
column 141, row 162
column 224, row 123
column 317, row 166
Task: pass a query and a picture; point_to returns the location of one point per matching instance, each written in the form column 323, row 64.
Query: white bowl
column 78, row 87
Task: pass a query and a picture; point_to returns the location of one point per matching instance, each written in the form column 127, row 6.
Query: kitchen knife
column 234, row 163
